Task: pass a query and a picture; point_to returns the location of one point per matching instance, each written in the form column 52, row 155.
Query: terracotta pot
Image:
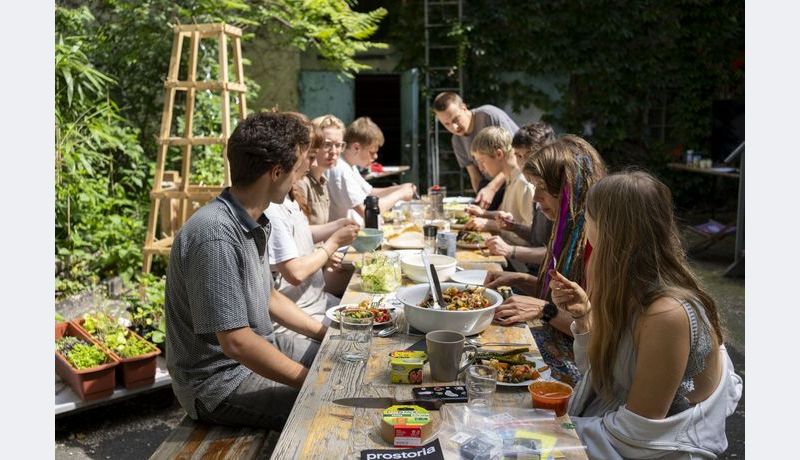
column 93, row 383
column 132, row 372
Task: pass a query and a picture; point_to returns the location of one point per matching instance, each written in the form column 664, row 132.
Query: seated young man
column 493, row 152
column 529, row 139
column 346, row 186
column 464, row 124
column 227, row 366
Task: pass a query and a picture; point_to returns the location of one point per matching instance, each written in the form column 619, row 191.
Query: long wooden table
column 318, row 428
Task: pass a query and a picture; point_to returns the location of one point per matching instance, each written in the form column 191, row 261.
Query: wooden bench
column 199, row 440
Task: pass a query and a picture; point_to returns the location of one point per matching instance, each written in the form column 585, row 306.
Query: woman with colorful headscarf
column 562, row 171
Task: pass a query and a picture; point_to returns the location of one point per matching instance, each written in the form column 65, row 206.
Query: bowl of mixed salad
column 465, row 309
column 380, row 272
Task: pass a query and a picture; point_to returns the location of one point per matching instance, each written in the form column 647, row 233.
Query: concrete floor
column 134, row 428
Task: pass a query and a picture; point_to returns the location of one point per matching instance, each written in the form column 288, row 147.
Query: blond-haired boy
column 494, row 154
column 346, row 186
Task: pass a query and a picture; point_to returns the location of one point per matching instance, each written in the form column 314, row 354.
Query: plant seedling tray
column 92, row 383
column 132, row 372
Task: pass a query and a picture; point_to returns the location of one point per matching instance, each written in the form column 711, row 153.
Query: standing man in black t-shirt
column 465, row 124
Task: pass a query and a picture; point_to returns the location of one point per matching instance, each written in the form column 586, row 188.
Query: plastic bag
column 500, row 433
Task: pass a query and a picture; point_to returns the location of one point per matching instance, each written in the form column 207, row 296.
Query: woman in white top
column 297, row 263
column 657, row 382
column 494, row 154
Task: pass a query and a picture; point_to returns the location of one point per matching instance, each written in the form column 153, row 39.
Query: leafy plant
column 147, row 310
column 115, row 336
column 80, row 354
column 111, row 59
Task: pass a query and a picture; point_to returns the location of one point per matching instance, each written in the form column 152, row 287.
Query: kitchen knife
column 383, row 403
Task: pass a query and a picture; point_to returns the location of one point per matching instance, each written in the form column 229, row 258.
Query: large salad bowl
column 468, row 322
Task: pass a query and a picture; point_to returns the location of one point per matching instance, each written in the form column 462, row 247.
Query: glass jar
column 380, row 272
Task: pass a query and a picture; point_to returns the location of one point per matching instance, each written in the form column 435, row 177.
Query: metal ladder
column 442, row 73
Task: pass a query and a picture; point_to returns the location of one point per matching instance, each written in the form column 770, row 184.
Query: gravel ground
column 134, row 428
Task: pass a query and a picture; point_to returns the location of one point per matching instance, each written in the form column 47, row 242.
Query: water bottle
column 371, row 212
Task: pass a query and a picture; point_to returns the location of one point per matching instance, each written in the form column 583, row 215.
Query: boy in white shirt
column 494, row 154
column 346, row 186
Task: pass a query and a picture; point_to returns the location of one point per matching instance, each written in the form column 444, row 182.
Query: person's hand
column 569, row 295
column 518, row 309
column 498, row 247
column 476, row 224
column 335, row 261
column 343, row 221
column 474, row 210
column 516, row 279
column 484, row 197
column 345, row 235
column 408, row 190
column 505, row 220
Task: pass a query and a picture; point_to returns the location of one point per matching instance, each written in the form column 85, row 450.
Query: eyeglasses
column 329, row 145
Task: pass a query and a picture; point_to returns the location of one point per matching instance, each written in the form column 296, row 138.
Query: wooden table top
column 318, row 428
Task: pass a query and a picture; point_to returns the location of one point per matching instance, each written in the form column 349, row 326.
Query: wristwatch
column 549, row 311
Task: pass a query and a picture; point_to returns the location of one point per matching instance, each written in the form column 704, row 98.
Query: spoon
column 430, row 270
column 389, row 331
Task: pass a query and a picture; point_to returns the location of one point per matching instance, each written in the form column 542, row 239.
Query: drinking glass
column 481, row 384
column 356, row 335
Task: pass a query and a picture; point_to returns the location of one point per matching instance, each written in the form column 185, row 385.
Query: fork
column 376, row 301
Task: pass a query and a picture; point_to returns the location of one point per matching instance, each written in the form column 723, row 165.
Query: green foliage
column 330, row 26
column 111, row 59
column 115, row 336
column 614, row 65
column 147, row 310
column 100, row 170
column 79, row 353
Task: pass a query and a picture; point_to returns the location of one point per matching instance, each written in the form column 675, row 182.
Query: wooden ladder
column 182, row 189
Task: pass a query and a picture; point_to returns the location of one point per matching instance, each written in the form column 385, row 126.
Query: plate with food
column 472, row 240
column 515, row 368
column 381, row 314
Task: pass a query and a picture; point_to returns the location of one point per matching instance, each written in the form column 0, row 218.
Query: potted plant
column 136, row 356
column 83, row 364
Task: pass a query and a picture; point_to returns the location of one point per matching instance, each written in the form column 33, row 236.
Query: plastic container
column 132, row 372
column 550, row 395
column 92, row 383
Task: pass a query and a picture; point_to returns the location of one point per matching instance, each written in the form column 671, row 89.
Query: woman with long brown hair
column 562, row 171
column 657, row 379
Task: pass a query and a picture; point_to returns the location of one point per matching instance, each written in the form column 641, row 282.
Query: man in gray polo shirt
column 225, row 363
column 465, row 124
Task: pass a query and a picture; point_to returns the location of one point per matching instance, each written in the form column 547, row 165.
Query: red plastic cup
column 550, row 395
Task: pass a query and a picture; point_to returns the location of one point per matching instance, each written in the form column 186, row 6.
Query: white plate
column 331, row 314
column 408, row 240
column 469, row 277
column 459, row 199
column 542, row 375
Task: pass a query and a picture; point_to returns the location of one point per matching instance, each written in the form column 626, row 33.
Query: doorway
column 378, row 96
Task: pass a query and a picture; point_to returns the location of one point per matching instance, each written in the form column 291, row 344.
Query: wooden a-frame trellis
column 183, row 192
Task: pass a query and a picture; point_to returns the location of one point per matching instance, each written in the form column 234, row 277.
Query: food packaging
column 407, row 366
column 405, row 426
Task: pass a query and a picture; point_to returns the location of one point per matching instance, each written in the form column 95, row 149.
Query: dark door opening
column 378, row 96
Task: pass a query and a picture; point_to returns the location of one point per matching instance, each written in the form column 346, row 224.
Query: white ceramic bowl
column 426, row 320
column 414, row 269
